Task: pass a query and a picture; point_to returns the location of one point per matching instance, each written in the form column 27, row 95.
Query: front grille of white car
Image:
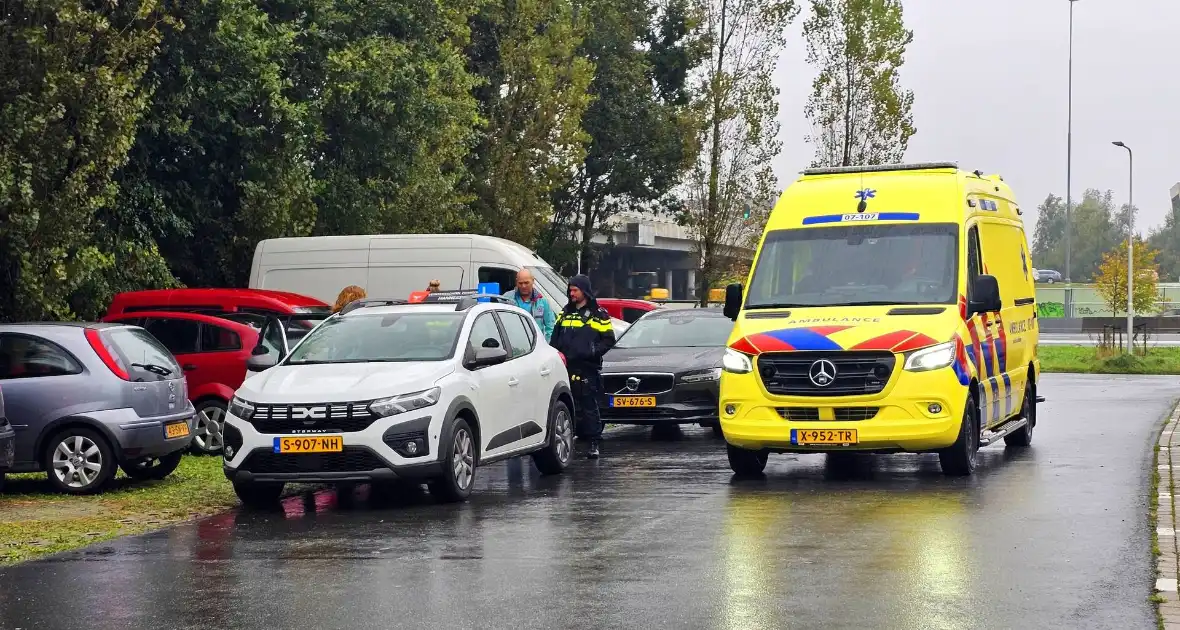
column 312, row 417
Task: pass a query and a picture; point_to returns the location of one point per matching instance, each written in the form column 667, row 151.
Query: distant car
column 7, row 442
column 386, row 390
column 627, row 309
column 666, row 369
column 212, row 352
column 1047, row 276
column 87, row 399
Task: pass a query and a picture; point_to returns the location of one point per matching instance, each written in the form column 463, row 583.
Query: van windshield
column 551, row 285
column 857, row 265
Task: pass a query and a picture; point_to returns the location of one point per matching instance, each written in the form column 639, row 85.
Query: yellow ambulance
column 889, row 309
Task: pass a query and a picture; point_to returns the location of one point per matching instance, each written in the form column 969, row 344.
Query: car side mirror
column 261, row 363
column 985, row 295
column 733, row 300
column 259, row 350
column 485, row 357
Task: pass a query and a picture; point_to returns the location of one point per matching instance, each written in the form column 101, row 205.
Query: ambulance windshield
column 857, row 265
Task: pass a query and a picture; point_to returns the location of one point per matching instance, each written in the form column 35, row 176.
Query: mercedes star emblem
column 822, row 373
column 632, row 384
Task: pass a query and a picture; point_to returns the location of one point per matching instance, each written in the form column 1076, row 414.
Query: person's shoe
column 593, row 453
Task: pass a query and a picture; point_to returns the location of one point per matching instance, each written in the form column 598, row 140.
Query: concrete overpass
column 636, row 243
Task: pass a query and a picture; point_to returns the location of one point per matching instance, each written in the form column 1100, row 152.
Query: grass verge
column 1089, row 360
column 36, row 521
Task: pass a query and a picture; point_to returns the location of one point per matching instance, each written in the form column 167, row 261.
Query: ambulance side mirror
column 985, row 295
column 733, row 301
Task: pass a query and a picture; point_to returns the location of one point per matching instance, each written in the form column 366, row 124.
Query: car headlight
column 701, row 376
column 932, row 358
column 241, row 408
column 406, row 402
column 735, row 362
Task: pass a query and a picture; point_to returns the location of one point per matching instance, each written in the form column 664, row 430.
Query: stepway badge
column 862, row 216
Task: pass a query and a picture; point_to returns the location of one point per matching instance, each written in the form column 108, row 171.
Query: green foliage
column 1111, row 280
column 641, row 124
column 739, row 104
column 532, row 93
column 858, row 109
column 393, row 111
column 1097, row 227
column 220, row 158
column 71, row 96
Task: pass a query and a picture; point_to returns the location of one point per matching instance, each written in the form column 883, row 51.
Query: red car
column 627, row 309
column 212, row 351
column 260, row 301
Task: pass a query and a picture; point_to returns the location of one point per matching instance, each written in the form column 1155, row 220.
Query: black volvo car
column 666, row 369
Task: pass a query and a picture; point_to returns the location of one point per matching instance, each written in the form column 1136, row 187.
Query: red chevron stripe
column 828, row 330
column 914, row 343
column 766, row 343
column 744, row 345
column 885, row 342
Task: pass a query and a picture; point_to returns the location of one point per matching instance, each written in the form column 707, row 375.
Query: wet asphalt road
column 658, row 534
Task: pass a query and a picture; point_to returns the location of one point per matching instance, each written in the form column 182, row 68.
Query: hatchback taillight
column 105, row 352
column 562, row 355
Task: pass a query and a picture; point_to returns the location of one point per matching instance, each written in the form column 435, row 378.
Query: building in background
column 1176, row 197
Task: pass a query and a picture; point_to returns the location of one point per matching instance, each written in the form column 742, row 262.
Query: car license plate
column 823, row 436
column 176, row 429
column 310, row 444
column 633, row 401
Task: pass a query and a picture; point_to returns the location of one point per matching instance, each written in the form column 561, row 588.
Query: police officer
column 583, row 333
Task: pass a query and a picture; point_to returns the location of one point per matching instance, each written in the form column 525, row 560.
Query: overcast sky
column 990, row 85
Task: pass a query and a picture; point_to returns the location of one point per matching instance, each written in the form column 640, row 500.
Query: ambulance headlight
column 932, row 358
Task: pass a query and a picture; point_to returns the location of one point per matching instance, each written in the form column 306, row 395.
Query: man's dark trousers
column 586, row 387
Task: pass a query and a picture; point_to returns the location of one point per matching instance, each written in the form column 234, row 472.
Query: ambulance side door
column 1004, row 257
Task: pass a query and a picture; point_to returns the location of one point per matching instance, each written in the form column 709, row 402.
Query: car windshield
column 388, row 337
column 681, row 330
column 857, row 265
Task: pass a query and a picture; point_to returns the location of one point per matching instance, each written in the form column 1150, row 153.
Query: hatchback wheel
column 79, row 461
column 459, row 466
column 553, row 459
column 152, row 467
column 208, row 438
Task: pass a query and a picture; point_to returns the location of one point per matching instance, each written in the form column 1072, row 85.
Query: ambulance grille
column 857, row 373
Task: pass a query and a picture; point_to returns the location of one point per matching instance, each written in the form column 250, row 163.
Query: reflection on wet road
column 658, row 534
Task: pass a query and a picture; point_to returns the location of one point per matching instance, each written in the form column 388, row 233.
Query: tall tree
column 739, row 137
column 641, row 124
column 71, row 96
column 532, row 94
column 859, row 112
column 1166, row 239
column 1095, row 233
column 392, row 111
column 1111, row 279
column 221, row 158
column 1048, row 249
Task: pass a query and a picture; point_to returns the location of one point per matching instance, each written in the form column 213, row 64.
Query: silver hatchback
column 86, row 399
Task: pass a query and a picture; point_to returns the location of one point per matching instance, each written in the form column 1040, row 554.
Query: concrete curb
column 1166, row 524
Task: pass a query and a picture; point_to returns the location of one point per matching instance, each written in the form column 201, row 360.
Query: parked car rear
column 212, row 352
column 627, row 309
column 86, row 399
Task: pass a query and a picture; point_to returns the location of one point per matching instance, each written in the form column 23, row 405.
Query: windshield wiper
column 158, row 370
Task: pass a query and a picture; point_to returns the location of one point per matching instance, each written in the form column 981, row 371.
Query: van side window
column 506, row 278
column 974, row 263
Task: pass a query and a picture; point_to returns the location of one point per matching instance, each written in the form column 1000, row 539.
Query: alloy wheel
column 463, row 459
column 564, row 435
column 77, row 461
column 208, row 434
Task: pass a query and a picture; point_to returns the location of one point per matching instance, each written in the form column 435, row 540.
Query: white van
column 396, row 265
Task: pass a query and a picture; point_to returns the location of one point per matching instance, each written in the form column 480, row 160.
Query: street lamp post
column 1069, row 173
column 1130, row 244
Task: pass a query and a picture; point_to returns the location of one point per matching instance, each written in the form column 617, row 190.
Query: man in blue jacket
column 527, row 297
